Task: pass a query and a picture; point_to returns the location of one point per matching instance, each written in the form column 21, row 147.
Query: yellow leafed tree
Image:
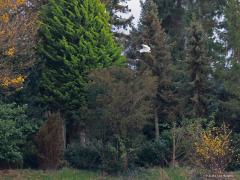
column 18, row 34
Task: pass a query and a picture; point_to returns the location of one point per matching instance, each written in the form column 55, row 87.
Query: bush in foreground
column 83, row 156
column 213, row 149
column 153, row 153
column 15, row 128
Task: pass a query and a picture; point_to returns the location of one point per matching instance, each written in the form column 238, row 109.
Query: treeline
column 73, row 93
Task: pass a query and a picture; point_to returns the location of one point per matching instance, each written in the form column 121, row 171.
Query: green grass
column 64, row 174
column 71, row 174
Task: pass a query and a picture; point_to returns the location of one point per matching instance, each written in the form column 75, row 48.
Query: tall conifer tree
column 172, row 16
column 75, row 38
column 229, row 93
column 159, row 61
column 198, row 72
column 232, row 14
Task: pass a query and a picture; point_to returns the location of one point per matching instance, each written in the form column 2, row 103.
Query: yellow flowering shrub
column 213, row 149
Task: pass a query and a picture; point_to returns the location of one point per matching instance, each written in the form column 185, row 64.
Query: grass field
column 71, row 174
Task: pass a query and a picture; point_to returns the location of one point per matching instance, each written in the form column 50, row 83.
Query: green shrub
column 235, row 163
column 83, row 156
column 106, row 157
column 15, row 127
column 153, row 153
column 115, row 157
column 112, row 158
column 10, row 140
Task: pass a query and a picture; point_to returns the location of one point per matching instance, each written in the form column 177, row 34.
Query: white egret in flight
column 145, row 49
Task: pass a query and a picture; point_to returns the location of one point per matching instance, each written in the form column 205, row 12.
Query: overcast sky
column 134, row 5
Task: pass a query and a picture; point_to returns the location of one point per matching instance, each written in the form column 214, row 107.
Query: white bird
column 145, row 49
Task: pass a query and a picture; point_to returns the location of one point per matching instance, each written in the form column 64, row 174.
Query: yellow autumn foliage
column 4, row 18
column 7, row 9
column 20, row 2
column 213, row 149
column 15, row 82
column 7, row 6
column 12, row 4
column 10, row 52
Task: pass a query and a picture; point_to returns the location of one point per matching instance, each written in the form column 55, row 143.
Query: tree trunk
column 83, row 137
column 156, row 125
column 174, row 145
column 179, row 3
column 125, row 161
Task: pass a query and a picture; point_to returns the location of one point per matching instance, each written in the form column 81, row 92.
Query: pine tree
column 172, row 16
column 75, row 38
column 176, row 15
column 159, row 62
column 198, row 72
column 232, row 14
column 229, row 96
column 205, row 11
column 228, row 73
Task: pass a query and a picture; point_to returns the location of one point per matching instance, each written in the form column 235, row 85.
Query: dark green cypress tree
column 75, row 38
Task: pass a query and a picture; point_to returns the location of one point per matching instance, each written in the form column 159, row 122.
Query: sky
column 134, row 5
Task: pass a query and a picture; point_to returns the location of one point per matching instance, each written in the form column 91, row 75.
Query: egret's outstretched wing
column 145, row 49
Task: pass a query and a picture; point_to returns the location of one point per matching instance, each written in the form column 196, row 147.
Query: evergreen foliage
column 172, row 15
column 232, row 13
column 84, row 156
column 159, row 62
column 198, row 72
column 181, row 84
column 118, row 6
column 176, row 16
column 119, row 107
column 229, row 96
column 15, row 129
column 75, row 38
column 229, row 93
column 119, row 102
